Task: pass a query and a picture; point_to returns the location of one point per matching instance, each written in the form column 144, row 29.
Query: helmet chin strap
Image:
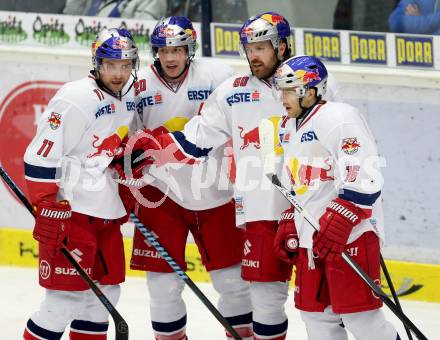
column 278, row 63
column 305, row 110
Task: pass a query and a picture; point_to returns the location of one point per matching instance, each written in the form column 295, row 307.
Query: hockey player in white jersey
column 332, row 164
column 193, row 198
column 234, row 111
column 66, row 168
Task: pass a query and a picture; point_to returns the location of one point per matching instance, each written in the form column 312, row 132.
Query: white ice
column 20, row 296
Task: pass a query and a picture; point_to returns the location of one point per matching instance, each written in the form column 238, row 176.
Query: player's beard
column 264, row 71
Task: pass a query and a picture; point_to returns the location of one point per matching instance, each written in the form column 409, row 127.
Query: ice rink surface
column 20, row 296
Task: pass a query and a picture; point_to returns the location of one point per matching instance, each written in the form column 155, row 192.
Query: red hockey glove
column 127, row 197
column 134, row 153
column 286, row 240
column 52, row 224
column 336, row 224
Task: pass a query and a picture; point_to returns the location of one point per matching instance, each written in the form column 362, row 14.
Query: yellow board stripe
column 412, row 281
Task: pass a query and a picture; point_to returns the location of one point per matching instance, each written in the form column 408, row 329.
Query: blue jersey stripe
column 41, row 172
column 190, row 148
column 359, row 198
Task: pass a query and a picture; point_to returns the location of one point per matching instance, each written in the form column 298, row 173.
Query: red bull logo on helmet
column 166, row 32
column 95, row 46
column 274, row 19
column 247, row 32
column 120, row 44
column 192, row 33
column 307, row 76
column 54, row 120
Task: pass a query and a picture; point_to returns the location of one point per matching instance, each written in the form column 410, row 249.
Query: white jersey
column 75, row 142
column 165, row 109
column 235, row 110
column 332, row 153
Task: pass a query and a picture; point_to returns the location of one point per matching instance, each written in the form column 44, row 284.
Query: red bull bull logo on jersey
column 54, row 120
column 249, row 138
column 350, row 145
column 303, row 176
column 109, row 144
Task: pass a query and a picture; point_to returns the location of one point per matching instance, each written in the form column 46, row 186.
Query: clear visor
column 255, row 48
column 124, row 67
column 292, row 93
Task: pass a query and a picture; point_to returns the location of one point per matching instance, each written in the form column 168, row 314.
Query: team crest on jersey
column 54, row 120
column 350, row 145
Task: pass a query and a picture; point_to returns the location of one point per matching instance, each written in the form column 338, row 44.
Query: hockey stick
column 266, row 135
column 393, row 293
column 121, row 327
column 173, row 264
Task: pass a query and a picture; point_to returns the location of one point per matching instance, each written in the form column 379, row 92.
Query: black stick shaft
column 121, row 327
column 179, row 271
column 349, row 260
column 393, row 293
